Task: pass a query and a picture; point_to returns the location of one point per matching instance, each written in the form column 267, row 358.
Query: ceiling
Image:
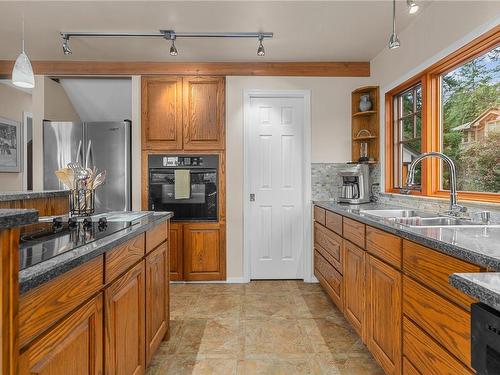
column 304, row 30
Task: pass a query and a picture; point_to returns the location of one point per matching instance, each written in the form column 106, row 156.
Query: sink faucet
column 455, row 209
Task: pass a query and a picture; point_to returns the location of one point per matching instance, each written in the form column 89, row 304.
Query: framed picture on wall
column 11, row 141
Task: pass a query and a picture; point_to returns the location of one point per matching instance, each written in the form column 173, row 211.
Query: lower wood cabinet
column 176, row 242
column 354, row 286
column 329, row 278
column 157, row 302
column 73, row 346
column 383, row 310
column 125, row 324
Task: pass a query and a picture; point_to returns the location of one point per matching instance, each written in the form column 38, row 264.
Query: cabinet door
column 161, row 113
column 354, row 286
column 157, row 291
column 72, row 346
column 203, row 113
column 176, row 252
column 203, row 258
column 124, row 324
column 383, row 309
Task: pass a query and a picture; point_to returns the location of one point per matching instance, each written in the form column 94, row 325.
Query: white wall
column 440, row 29
column 13, row 103
column 100, row 99
column 331, row 142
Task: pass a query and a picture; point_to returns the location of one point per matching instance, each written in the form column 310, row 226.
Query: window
column 452, row 107
column 407, row 133
column 470, row 101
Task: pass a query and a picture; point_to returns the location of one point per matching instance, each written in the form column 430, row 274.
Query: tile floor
column 265, row 327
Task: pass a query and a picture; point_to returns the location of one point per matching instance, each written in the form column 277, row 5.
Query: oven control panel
column 177, row 161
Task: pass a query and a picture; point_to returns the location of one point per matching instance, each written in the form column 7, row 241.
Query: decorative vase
column 364, row 102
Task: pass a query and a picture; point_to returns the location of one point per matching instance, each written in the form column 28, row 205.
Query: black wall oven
column 201, row 204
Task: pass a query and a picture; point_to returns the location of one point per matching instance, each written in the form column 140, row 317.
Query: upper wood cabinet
column 125, row 324
column 161, row 113
column 157, row 290
column 183, row 113
column 203, row 111
column 72, row 346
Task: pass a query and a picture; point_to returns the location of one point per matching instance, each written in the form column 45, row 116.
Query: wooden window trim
column 431, row 115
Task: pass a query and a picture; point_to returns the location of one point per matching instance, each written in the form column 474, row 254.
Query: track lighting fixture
column 260, row 50
column 65, row 45
column 170, row 35
column 394, row 39
column 412, row 6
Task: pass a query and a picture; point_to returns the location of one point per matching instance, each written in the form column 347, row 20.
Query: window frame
column 431, row 119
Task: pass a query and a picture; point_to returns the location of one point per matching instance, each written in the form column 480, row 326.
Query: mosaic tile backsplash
column 326, row 187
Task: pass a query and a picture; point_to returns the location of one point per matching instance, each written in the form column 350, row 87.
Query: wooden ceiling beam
column 124, row 68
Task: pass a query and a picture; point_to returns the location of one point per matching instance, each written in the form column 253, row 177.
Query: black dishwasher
column 485, row 339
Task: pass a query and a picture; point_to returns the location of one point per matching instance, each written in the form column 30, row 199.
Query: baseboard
column 236, row 280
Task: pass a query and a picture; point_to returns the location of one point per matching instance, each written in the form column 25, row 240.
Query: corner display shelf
column 367, row 120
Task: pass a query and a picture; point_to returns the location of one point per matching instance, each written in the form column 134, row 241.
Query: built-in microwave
column 201, row 203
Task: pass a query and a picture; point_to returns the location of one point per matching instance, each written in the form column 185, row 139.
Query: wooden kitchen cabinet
column 72, row 346
column 157, row 302
column 383, row 310
column 354, row 286
column 176, row 247
column 204, row 113
column 204, row 257
column 125, row 324
column 161, row 113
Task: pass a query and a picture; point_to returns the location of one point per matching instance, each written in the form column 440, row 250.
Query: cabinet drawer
column 43, row 306
column 384, row 245
column 333, row 221
column 354, row 232
column 330, row 244
column 156, row 236
column 120, row 259
column 408, row 368
column 447, row 323
column 329, row 278
column 426, row 356
column 319, row 215
column 433, row 268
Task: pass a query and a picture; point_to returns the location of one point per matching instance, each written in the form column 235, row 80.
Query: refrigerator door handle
column 89, row 154
column 79, row 152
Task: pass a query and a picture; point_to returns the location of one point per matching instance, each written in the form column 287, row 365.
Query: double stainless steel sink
column 419, row 219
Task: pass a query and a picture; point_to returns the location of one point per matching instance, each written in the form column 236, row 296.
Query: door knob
column 252, row 197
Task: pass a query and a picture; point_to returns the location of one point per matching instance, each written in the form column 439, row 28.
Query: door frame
column 306, row 177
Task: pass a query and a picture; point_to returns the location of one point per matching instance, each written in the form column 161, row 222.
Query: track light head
column 173, row 49
column 260, row 50
column 65, row 46
column 412, row 6
column 394, row 41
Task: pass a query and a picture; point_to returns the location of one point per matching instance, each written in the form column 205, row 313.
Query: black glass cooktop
column 47, row 240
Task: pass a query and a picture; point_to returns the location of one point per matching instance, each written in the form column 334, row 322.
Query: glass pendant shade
column 22, row 74
column 394, row 41
column 261, row 51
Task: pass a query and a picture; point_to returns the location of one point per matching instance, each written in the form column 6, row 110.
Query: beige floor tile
column 264, row 327
column 275, row 336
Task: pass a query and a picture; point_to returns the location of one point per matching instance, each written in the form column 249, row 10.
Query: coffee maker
column 355, row 184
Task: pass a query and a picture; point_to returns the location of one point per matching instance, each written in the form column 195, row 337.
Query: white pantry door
column 275, row 178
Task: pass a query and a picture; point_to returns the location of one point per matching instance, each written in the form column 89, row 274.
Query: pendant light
column 412, row 6
column 260, row 50
column 394, row 40
column 22, row 74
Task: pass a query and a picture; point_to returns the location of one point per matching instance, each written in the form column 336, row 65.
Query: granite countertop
column 479, row 246
column 6, row 196
column 483, row 286
column 10, row 218
column 40, row 273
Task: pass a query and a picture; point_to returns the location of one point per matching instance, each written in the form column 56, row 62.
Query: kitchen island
column 93, row 301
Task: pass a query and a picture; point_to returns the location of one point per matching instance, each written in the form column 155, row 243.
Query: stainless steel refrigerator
column 105, row 145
